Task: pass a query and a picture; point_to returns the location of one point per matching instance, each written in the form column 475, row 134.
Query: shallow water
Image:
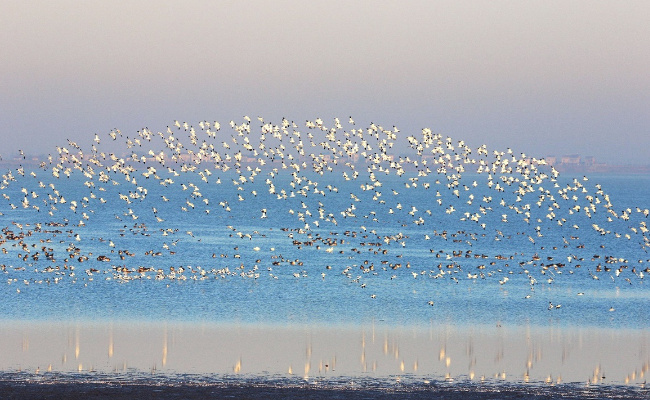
column 233, row 297
column 342, row 274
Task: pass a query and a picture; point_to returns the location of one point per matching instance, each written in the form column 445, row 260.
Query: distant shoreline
column 568, row 168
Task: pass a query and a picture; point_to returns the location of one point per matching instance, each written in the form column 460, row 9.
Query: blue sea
column 235, row 266
column 250, row 248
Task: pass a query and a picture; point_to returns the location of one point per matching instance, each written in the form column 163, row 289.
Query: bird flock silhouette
column 257, row 200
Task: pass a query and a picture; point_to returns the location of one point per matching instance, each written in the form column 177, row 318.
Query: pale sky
column 541, row 77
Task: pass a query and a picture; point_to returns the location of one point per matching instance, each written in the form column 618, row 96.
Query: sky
column 540, row 77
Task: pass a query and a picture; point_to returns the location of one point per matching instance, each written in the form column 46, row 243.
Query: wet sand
column 98, row 386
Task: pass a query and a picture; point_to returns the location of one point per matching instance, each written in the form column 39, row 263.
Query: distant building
column 589, row 160
column 572, row 159
column 551, row 160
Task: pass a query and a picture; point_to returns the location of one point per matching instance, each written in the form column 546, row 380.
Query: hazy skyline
column 541, row 77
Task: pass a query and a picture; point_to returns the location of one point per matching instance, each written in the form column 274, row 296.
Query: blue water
column 379, row 265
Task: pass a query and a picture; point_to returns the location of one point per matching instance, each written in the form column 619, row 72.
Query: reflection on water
column 453, row 353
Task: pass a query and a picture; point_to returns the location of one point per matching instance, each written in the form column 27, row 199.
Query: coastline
column 18, row 386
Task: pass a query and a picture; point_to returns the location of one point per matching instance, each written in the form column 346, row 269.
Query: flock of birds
column 342, row 196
